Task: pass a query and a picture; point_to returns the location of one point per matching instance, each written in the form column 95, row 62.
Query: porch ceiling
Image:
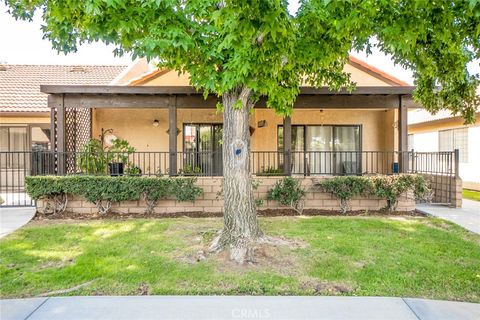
column 188, row 97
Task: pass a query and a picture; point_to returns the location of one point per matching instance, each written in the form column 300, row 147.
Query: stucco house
column 24, row 112
column 176, row 130
column 442, row 132
column 370, row 119
column 25, row 115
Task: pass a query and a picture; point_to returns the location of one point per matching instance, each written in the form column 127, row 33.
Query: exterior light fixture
column 262, row 123
column 156, row 123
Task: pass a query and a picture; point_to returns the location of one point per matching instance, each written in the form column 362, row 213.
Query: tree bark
column 241, row 227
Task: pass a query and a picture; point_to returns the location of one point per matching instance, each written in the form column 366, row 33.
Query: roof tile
column 20, row 84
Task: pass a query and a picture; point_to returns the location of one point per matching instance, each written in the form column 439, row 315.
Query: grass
column 471, row 194
column 363, row 256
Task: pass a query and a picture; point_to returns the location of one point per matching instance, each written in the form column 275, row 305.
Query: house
column 176, row 130
column 368, row 120
column 444, row 132
column 24, row 111
column 25, row 116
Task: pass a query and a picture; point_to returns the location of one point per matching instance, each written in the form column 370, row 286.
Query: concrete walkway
column 241, row 307
column 13, row 218
column 468, row 216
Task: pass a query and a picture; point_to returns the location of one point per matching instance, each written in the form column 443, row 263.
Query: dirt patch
column 323, row 287
column 281, row 259
column 55, row 264
column 143, row 289
column 67, row 215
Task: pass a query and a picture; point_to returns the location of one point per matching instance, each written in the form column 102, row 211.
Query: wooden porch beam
column 304, row 101
column 179, row 90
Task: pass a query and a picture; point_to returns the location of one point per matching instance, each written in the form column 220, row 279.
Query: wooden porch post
column 287, row 145
column 57, row 134
column 402, row 135
column 172, row 134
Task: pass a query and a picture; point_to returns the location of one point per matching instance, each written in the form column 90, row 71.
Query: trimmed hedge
column 105, row 190
column 346, row 188
column 389, row 188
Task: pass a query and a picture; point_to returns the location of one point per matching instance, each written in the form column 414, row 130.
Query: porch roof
column 156, row 90
column 363, row 97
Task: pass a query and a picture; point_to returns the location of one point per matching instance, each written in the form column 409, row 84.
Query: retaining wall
column 447, row 190
column 212, row 202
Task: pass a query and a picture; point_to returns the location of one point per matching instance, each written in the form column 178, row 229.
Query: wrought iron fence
column 15, row 166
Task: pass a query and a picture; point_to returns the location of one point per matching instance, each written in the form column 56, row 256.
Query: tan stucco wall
column 172, row 78
column 372, row 122
column 136, row 125
column 443, row 124
column 24, row 119
column 361, row 78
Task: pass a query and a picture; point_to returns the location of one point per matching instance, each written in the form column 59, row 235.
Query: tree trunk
column 241, row 227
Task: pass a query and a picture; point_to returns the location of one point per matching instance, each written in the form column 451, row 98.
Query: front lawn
column 364, row 256
column 471, row 194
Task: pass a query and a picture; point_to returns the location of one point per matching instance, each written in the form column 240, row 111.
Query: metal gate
column 14, row 167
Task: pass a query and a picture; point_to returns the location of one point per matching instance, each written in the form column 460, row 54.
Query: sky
column 21, row 43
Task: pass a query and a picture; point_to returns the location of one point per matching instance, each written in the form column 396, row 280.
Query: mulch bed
column 200, row 214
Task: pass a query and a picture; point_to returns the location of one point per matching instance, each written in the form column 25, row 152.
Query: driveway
column 13, row 218
column 468, row 216
column 238, row 307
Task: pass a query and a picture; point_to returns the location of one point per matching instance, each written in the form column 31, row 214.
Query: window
column 410, row 142
column 13, row 140
column 449, row 140
column 326, row 149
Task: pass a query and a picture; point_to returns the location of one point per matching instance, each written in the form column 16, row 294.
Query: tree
column 241, row 50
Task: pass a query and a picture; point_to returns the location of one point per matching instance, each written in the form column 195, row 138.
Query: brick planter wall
column 211, row 202
column 446, row 189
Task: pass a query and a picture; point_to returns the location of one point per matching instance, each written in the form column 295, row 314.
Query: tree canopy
column 258, row 44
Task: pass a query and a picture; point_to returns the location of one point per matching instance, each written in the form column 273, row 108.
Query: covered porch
column 176, row 131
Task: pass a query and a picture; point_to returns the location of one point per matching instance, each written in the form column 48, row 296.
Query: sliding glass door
column 326, row 149
column 203, row 149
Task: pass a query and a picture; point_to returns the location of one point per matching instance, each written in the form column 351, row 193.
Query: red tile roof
column 20, row 84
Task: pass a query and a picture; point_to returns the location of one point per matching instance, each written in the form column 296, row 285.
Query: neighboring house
column 24, row 111
column 443, row 132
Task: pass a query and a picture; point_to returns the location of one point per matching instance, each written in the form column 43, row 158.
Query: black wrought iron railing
column 15, row 166
column 210, row 163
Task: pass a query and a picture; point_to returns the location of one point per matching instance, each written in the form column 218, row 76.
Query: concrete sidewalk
column 468, row 216
column 13, row 218
column 236, row 307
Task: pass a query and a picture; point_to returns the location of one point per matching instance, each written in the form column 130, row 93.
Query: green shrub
column 185, row 189
column 50, row 189
column 105, row 190
column 391, row 187
column 288, row 192
column 94, row 157
column 153, row 190
column 271, row 171
column 346, row 188
column 189, row 170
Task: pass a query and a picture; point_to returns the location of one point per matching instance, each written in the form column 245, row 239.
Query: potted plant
column 92, row 158
column 117, row 156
